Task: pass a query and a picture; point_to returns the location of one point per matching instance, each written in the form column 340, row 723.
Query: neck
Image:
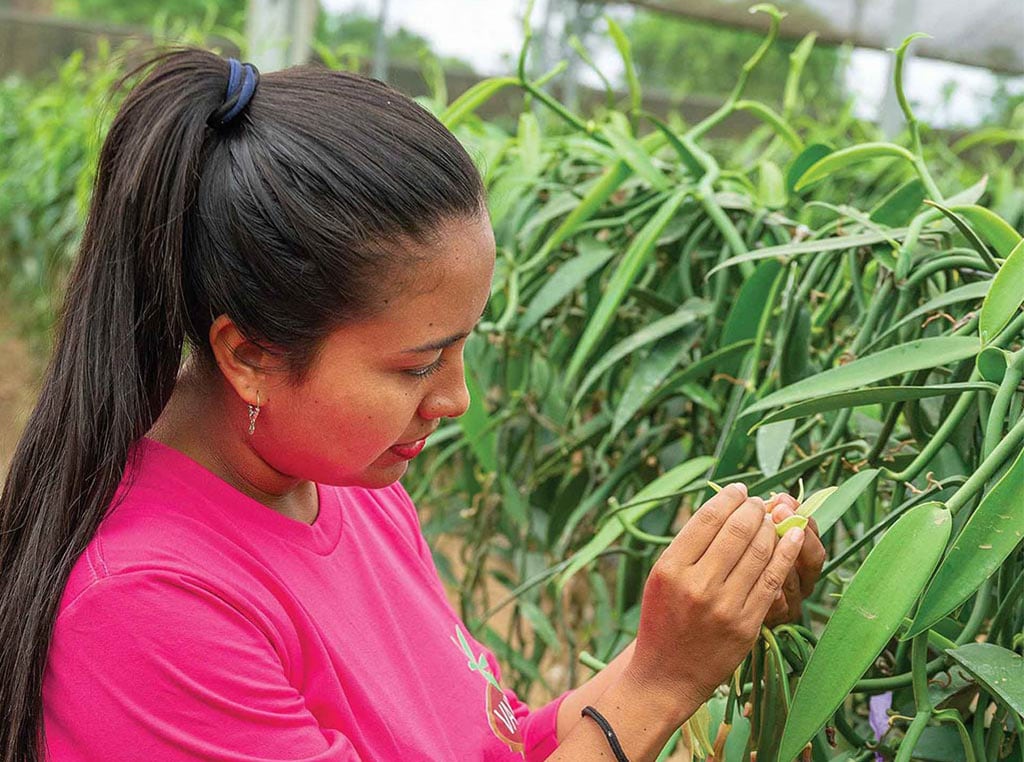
column 208, row 422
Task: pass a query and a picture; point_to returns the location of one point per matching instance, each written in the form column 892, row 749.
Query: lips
column 409, row 450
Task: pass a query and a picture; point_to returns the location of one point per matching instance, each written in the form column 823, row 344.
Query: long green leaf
column 593, row 256
column 618, row 285
column 870, row 396
column 817, row 246
column 866, row 617
column 844, row 157
column 473, row 98
column 968, row 232
column 646, row 500
column 477, row 428
column 631, row 152
column 686, row 315
column 622, row 43
column 988, row 538
column 773, row 120
column 643, row 383
column 1000, row 670
column 1005, row 295
column 589, row 205
column 990, row 226
column 840, row 501
column 904, row 358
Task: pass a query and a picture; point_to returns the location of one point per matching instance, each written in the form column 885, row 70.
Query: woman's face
column 380, row 386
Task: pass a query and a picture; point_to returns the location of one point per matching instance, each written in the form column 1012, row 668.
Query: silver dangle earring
column 254, row 411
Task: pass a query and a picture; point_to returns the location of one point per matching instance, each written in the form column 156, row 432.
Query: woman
column 212, row 558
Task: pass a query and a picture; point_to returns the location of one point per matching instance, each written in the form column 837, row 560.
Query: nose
column 449, row 397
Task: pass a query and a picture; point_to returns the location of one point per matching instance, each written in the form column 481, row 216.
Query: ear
column 244, row 364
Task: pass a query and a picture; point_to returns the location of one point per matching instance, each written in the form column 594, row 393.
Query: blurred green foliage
column 50, row 135
column 204, row 13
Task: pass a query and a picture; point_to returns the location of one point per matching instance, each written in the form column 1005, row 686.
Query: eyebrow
column 434, row 346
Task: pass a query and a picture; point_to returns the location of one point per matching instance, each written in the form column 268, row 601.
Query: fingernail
column 794, row 535
column 739, row 487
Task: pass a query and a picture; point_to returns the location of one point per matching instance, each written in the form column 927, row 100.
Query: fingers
column 811, row 560
column 774, row 575
column 781, row 512
column 812, row 554
column 702, row 528
column 755, row 558
column 733, row 539
column 786, row 500
column 779, row 611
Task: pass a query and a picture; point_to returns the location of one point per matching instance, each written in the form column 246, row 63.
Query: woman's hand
column 708, row 595
column 805, row 573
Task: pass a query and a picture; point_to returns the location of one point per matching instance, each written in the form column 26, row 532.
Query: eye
column 428, row 370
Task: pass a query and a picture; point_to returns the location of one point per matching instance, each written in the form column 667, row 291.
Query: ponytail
column 114, row 364
column 277, row 213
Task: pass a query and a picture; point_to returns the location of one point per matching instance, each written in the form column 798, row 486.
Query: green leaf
column 904, row 358
column 570, row 276
column 631, row 152
column 988, row 538
column 865, row 619
column 815, row 501
column 773, row 120
column 804, row 161
column 840, row 501
column 618, row 285
column 646, row 500
column 969, row 195
column 542, row 626
column 968, row 232
column 900, row 206
column 644, row 382
column 990, row 226
column 816, row 246
column 844, row 157
column 1000, row 670
column 687, row 152
column 589, row 205
column 772, row 188
column 871, row 395
column 1005, row 296
column 685, row 315
column 477, row 427
column 622, row 43
column 473, row 98
column 529, row 138
column 771, row 442
column 968, row 293
column 992, row 364
column 748, row 309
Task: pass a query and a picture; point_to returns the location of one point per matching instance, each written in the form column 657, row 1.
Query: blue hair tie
column 242, row 81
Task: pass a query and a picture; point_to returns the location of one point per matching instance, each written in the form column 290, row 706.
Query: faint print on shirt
column 499, row 712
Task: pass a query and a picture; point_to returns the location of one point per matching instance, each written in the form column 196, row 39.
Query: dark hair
column 286, row 219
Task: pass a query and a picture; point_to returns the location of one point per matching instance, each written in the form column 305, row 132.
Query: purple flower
column 878, row 717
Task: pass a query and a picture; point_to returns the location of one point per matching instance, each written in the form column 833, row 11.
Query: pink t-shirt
column 200, row 624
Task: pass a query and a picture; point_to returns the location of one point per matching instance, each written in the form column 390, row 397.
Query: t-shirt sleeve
column 156, row 662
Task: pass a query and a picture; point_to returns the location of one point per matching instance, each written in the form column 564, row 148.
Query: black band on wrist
column 613, row 741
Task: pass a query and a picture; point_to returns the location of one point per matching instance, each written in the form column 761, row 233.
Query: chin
column 380, row 477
